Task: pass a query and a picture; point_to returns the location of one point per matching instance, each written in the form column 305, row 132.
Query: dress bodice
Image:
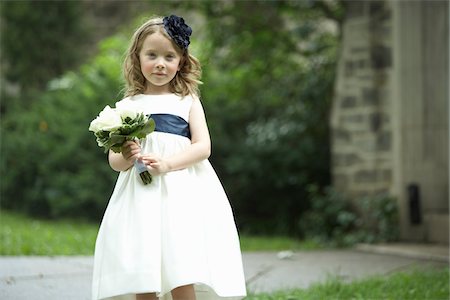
column 170, row 112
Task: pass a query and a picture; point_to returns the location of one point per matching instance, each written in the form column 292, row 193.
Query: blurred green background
column 268, row 73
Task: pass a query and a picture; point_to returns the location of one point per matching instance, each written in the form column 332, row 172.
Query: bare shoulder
column 197, row 121
column 196, row 106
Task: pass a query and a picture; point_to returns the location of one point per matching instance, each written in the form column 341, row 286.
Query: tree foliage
column 268, row 74
column 51, row 163
column 39, row 41
column 268, row 88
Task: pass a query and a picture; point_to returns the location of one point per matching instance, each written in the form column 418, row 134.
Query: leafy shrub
column 267, row 95
column 37, row 41
column 379, row 219
column 267, row 102
column 51, row 164
column 329, row 217
column 332, row 219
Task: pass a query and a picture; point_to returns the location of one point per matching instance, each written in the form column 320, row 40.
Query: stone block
column 355, row 9
column 365, row 142
column 377, row 178
column 384, row 141
column 378, row 11
column 341, row 136
column 386, row 176
column 349, row 68
column 356, row 119
column 371, row 96
column 348, row 102
column 365, row 176
column 381, row 57
column 341, row 182
column 358, row 50
column 375, row 121
column 356, row 65
column 345, row 159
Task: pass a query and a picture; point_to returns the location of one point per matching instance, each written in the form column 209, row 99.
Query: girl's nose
column 159, row 64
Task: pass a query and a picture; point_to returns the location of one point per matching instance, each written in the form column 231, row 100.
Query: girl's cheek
column 146, row 66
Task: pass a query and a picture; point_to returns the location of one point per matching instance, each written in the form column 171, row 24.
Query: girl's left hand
column 155, row 164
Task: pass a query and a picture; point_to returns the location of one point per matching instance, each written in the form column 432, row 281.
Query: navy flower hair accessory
column 178, row 30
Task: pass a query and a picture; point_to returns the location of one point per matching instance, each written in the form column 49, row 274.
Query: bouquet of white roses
column 114, row 126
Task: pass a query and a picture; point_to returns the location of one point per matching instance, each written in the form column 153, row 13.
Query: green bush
column 267, row 103
column 268, row 89
column 329, row 217
column 39, row 40
column 378, row 220
column 51, row 164
column 333, row 219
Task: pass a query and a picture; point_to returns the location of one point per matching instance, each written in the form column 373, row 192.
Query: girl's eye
column 170, row 57
column 151, row 55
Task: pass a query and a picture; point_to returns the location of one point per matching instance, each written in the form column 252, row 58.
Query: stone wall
column 361, row 115
column 389, row 121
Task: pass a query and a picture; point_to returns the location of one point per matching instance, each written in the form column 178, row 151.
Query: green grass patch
column 276, row 243
column 419, row 284
column 22, row 235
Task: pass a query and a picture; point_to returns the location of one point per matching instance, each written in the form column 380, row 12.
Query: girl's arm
column 124, row 160
column 199, row 149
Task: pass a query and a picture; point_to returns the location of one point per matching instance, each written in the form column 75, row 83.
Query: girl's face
column 160, row 62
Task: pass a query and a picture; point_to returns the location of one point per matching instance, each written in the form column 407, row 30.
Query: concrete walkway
column 69, row 277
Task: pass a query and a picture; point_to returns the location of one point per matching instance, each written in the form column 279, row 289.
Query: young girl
column 174, row 238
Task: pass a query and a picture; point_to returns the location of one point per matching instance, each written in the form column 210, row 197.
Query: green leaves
column 268, row 73
column 63, row 173
column 38, row 40
column 148, row 127
column 267, row 96
column 137, row 128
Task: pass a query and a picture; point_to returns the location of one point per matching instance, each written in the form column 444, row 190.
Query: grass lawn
column 429, row 284
column 276, row 243
column 22, row 235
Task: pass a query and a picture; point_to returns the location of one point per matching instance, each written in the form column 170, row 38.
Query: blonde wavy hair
column 185, row 82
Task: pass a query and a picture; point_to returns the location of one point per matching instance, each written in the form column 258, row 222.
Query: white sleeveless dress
column 178, row 230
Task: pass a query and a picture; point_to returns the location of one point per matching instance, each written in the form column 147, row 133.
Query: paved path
column 69, row 278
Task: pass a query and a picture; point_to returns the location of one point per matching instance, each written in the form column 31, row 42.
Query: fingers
column 150, row 159
column 131, row 143
column 149, row 162
column 155, row 163
column 131, row 150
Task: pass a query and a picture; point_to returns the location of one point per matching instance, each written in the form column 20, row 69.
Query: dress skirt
column 178, row 230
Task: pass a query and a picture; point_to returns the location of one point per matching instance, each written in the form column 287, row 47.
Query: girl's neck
column 157, row 90
column 157, row 94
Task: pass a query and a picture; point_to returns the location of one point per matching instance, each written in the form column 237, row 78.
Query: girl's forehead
column 158, row 41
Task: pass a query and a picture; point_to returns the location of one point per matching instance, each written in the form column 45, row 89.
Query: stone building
column 390, row 114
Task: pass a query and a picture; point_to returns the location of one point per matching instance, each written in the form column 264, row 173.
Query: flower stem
column 146, row 177
column 143, row 172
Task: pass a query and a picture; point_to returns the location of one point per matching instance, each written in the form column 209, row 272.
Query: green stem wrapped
column 143, row 172
column 146, row 177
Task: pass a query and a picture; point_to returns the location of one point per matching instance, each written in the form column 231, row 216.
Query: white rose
column 127, row 111
column 107, row 120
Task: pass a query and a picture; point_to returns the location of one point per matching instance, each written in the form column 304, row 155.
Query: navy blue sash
column 171, row 124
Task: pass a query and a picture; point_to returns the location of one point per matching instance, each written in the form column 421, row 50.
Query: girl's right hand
column 131, row 151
